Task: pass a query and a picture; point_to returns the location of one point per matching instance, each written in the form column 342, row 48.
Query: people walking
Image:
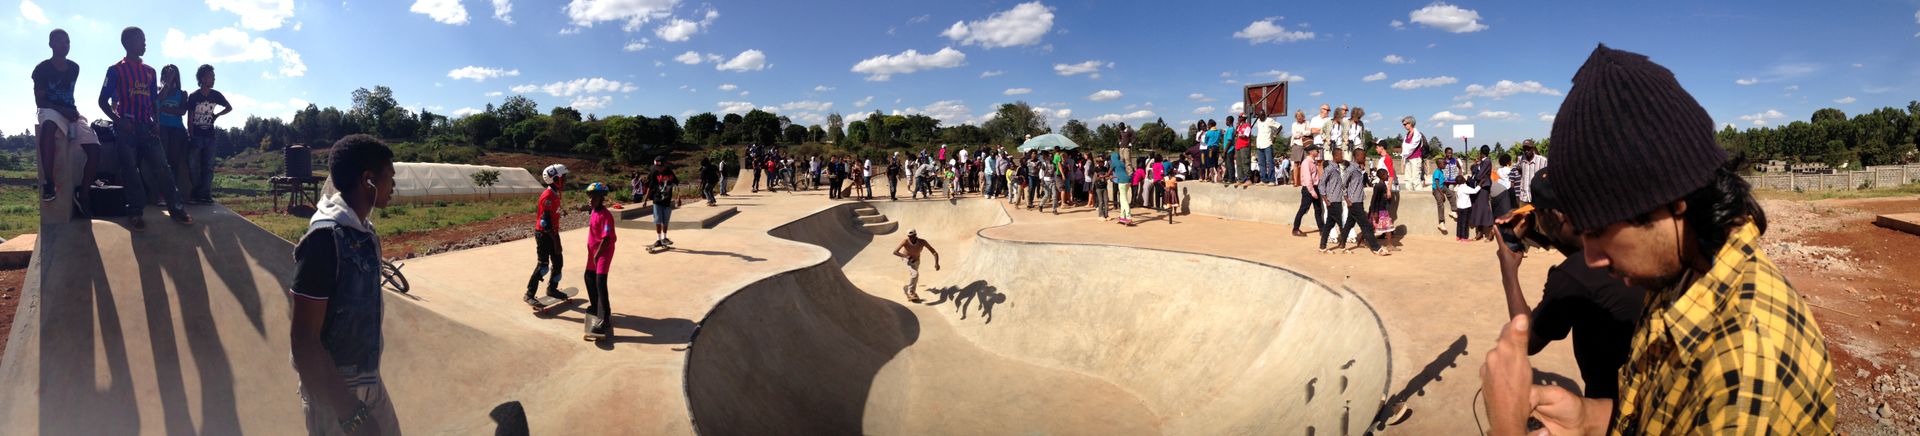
column 1309, row 182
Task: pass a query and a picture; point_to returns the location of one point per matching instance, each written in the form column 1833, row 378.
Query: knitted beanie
column 1628, row 140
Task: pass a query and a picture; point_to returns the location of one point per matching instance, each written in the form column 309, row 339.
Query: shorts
column 77, row 132
column 661, row 214
column 913, row 268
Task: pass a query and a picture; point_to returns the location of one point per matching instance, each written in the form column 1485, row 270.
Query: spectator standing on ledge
column 1726, row 345
column 128, row 99
column 205, row 107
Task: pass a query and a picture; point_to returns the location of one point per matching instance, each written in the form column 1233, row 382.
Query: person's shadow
column 1390, row 413
column 963, row 298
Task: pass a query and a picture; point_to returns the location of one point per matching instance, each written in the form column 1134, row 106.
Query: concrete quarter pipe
column 1034, row 338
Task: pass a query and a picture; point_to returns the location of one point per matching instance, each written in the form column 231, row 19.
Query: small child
column 1171, row 197
column 600, row 242
column 1383, row 196
column 1463, row 204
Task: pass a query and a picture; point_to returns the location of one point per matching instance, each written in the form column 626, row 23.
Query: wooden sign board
column 1267, row 98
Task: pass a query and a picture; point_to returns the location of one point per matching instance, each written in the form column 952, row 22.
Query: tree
column 485, row 179
column 626, row 136
column 480, row 128
column 794, row 134
column 857, row 133
column 1077, row 132
column 816, row 134
column 834, row 131
column 373, row 104
column 516, row 109
column 566, row 112
column 702, row 129
column 877, row 132
column 732, row 129
column 1158, row 136
column 761, row 127
column 397, row 123
column 1012, row 122
column 1828, row 114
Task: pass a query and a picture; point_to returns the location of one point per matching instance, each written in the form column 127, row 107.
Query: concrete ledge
column 1905, row 222
column 17, row 252
column 1414, row 212
column 688, row 217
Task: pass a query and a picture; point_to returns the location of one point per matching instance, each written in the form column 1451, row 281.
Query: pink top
column 1139, row 176
column 1159, row 171
column 600, row 232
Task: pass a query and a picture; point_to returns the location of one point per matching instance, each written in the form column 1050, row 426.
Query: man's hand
column 1563, row 413
column 1507, row 379
column 936, row 264
column 72, row 114
column 1509, row 260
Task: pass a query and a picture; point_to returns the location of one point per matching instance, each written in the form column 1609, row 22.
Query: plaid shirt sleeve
column 1732, row 350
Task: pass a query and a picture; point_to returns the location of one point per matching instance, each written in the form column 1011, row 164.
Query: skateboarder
column 335, row 327
column 600, row 239
column 910, row 250
column 546, row 237
column 659, row 189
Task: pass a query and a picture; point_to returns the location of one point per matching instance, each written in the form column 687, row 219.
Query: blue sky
column 1750, row 63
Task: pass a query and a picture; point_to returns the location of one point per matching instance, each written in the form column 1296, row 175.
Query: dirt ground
column 11, row 282
column 1860, row 280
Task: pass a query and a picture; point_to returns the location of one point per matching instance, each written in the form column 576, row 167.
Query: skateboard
column 591, row 322
column 548, row 303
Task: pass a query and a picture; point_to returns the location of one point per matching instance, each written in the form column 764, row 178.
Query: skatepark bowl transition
column 802, row 329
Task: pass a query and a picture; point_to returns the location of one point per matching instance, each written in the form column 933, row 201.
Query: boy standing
column 660, row 190
column 128, row 99
column 546, row 237
column 336, row 313
column 600, row 239
column 204, row 107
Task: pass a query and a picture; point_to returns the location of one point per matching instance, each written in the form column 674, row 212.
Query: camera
column 1521, row 228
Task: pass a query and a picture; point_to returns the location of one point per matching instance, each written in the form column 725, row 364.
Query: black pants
column 1306, row 201
column 834, row 184
column 892, row 192
column 1460, row 222
column 1330, row 228
column 597, row 304
column 1100, row 197
column 756, row 180
column 548, row 252
column 1357, row 217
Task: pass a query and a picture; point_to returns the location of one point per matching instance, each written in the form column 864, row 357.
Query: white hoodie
column 334, row 208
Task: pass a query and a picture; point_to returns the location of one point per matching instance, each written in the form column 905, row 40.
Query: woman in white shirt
column 1336, row 133
column 1356, row 126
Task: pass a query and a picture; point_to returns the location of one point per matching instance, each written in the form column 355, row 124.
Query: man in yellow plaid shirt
column 1726, row 345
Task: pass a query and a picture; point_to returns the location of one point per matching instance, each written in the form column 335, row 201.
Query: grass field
column 19, row 210
column 1824, row 195
column 398, row 219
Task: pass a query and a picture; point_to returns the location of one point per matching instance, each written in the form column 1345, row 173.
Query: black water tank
column 299, row 162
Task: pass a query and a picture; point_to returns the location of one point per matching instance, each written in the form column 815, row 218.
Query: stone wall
column 1874, row 177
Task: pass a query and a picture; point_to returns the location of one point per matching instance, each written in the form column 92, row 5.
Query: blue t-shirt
column 176, row 100
column 1213, row 138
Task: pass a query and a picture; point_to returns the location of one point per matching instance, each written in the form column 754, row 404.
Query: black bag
column 107, row 201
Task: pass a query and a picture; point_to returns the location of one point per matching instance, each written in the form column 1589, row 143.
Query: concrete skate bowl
column 1133, row 341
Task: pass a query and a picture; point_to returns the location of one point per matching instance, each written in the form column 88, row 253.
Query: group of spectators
column 160, row 136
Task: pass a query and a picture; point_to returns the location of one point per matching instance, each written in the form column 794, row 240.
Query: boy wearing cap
column 1725, row 344
column 910, row 250
column 600, row 239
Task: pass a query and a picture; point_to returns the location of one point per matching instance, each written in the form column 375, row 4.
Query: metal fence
column 1873, row 177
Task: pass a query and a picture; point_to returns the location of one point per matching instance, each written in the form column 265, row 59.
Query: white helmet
column 553, row 172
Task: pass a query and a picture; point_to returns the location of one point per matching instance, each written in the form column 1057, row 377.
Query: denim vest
column 351, row 333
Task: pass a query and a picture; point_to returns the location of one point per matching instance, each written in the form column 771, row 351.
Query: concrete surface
column 1414, row 213
column 1905, row 222
column 690, row 216
column 182, row 330
column 17, row 252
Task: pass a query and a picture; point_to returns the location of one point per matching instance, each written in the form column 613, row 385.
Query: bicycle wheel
column 392, row 278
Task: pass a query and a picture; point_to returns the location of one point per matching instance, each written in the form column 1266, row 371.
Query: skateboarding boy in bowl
column 910, row 250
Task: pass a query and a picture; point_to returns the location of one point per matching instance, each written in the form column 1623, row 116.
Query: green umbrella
column 1048, row 141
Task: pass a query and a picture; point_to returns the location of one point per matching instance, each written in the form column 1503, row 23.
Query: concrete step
column 870, row 219
column 881, row 228
column 866, row 211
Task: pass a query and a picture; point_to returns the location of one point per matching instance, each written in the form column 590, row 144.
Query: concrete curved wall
column 1414, row 213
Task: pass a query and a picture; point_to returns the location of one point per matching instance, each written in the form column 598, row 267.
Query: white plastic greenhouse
column 430, row 182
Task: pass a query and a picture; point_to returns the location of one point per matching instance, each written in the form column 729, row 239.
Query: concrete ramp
column 1131, row 341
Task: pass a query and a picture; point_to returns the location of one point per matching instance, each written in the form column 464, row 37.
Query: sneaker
column 555, row 294
column 531, row 301
column 668, row 242
column 47, row 193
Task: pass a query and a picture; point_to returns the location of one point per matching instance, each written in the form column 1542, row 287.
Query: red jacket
column 549, row 217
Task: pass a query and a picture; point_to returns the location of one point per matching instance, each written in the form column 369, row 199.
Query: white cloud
column 1859, row 65
column 689, row 58
column 494, row 93
column 1746, row 81
column 1546, row 117
column 1266, row 31
column 809, row 105
column 1280, row 75
column 1447, row 17
column 1025, row 24
column 677, row 30
column 728, row 87
column 589, row 102
column 1238, row 107
column 986, row 74
column 465, row 111
column 1105, row 95
column 1446, row 116
column 1054, row 116
column 883, row 67
column 822, row 88
column 949, row 112
column 1316, row 93
column 1760, row 119
column 1505, row 88
column 750, row 60
column 735, row 107
column 1130, row 116
column 227, row 44
column 32, row 12
column 1425, row 82
column 1792, row 88
column 1464, row 105
column 1203, row 110
column 1498, row 115
column 254, row 14
column 642, row 44
column 745, row 93
column 1088, row 67
column 1375, row 77
column 1017, row 91
column 1199, row 98
column 1846, row 100
column 444, row 11
column 1397, row 24
column 503, row 11
column 575, row 87
column 481, row 74
column 1396, row 59
column 636, row 13
column 863, row 102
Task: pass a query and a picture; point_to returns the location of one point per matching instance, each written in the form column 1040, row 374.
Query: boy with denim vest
column 336, row 298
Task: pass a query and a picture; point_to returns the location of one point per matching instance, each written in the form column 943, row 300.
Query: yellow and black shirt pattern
column 1732, row 351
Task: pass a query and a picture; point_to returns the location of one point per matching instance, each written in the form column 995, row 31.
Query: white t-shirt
column 1299, row 136
column 1319, row 122
column 1463, row 196
column 1353, row 130
column 1500, row 182
column 1264, row 129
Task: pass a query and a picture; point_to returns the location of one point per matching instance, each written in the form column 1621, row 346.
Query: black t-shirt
column 1602, row 312
column 663, row 180
column 315, row 262
column 709, row 173
column 202, row 106
column 57, row 84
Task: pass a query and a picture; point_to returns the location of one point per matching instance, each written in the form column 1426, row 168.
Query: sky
column 1501, row 66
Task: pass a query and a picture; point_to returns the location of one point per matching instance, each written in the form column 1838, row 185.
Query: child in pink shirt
column 600, row 241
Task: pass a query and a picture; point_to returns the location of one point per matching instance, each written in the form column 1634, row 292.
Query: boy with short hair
column 128, row 99
column 61, row 127
column 336, row 313
column 204, row 107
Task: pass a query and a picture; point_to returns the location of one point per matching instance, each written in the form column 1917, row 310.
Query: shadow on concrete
column 719, row 253
column 72, row 243
column 962, row 297
column 1392, row 409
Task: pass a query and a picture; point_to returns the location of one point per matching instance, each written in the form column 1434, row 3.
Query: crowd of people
column 160, row 136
